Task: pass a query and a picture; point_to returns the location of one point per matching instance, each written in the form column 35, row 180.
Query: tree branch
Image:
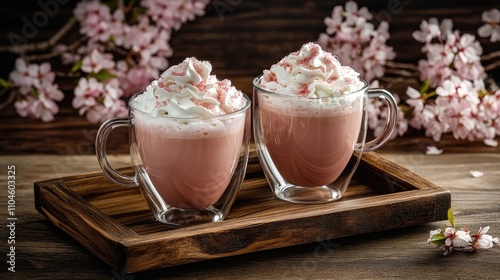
column 492, row 66
column 490, row 55
column 10, row 99
column 392, row 82
column 408, row 66
column 403, row 73
column 50, row 55
column 44, row 45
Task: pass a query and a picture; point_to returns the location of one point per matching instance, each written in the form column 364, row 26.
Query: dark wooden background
column 240, row 43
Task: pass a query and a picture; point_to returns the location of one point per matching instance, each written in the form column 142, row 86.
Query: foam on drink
column 310, row 72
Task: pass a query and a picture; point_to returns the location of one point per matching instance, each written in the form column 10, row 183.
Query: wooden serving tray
column 116, row 225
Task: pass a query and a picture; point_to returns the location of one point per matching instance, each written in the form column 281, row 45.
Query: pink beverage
column 310, row 148
column 189, row 167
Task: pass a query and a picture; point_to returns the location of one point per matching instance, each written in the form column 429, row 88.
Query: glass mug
column 189, row 170
column 309, row 148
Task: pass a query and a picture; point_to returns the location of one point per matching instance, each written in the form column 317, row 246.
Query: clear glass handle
column 392, row 118
column 100, row 147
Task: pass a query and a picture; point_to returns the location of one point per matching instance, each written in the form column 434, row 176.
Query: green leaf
column 451, row 219
column 77, row 66
column 4, row 83
column 425, row 87
column 35, row 93
column 113, row 5
column 438, row 243
column 102, row 75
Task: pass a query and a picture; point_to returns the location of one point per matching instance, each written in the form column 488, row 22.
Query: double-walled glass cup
column 309, row 148
column 189, row 170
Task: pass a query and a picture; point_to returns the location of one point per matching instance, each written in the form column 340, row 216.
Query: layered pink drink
column 311, row 121
column 189, row 156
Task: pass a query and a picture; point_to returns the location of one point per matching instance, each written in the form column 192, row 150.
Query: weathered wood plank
column 46, row 252
column 100, row 214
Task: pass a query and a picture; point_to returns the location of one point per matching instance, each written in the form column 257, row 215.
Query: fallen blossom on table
column 432, row 150
column 476, row 173
column 449, row 239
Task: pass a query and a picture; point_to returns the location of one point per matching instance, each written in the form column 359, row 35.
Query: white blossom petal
column 490, row 142
column 432, row 150
column 476, row 173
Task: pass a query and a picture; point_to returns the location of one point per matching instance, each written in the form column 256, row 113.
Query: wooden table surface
column 43, row 251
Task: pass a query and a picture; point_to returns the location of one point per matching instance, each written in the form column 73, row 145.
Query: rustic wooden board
column 115, row 224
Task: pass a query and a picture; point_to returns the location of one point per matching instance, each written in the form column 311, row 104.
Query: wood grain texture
column 114, row 222
column 45, row 252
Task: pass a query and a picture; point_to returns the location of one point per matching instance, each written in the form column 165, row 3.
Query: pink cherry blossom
column 431, row 116
column 450, row 239
column 93, row 17
column 457, row 239
column 43, row 76
column 355, row 41
column 87, row 92
column 467, row 49
column 353, row 14
column 36, row 84
column 445, row 27
column 172, row 14
column 334, row 23
column 45, row 110
column 136, row 33
column 112, row 92
column 492, row 27
column 428, row 31
column 23, row 75
column 24, row 105
column 99, row 101
column 135, row 80
column 470, row 71
column 482, row 240
column 435, row 73
column 452, row 54
column 97, row 61
column 117, row 28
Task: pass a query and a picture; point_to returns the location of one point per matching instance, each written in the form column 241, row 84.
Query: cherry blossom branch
column 10, row 99
column 400, row 72
column 390, row 82
column 408, row 66
column 44, row 45
column 412, row 67
column 492, row 66
column 490, row 56
column 50, row 55
column 67, row 74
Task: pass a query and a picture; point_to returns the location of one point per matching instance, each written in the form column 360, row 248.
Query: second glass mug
column 189, row 170
column 309, row 148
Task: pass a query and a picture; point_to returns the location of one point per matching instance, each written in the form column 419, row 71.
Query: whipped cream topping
column 310, row 72
column 187, row 90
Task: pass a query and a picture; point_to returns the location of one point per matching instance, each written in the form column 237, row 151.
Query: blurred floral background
column 91, row 56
